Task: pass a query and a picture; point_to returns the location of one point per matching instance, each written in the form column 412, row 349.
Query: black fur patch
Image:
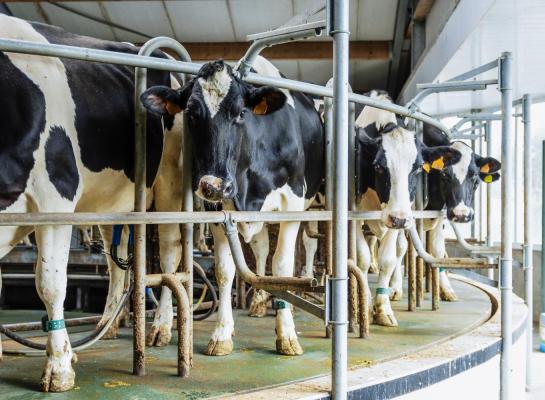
column 22, row 119
column 60, row 163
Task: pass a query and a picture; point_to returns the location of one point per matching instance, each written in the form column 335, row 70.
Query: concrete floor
column 104, row 370
column 538, row 373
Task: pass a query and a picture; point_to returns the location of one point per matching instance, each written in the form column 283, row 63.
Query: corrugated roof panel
column 258, row 16
column 148, row 17
column 76, row 24
column 28, row 11
column 201, row 21
column 376, row 20
column 318, row 71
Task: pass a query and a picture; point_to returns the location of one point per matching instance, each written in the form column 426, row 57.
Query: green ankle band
column 278, row 304
column 382, row 290
column 441, row 269
column 52, row 325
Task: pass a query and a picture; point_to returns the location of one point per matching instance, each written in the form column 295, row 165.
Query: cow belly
column 106, row 191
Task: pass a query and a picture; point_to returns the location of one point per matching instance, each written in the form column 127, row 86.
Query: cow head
column 457, row 184
column 398, row 157
column 221, row 110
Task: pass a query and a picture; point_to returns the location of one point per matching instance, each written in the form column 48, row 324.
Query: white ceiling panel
column 201, row 21
column 376, row 19
column 148, row 17
column 258, row 16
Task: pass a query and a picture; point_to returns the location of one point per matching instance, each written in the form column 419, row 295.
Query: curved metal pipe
column 484, row 250
column 363, row 300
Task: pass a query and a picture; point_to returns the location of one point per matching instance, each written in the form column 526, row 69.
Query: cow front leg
column 387, row 258
column 396, row 282
column 53, row 248
column 221, row 342
column 437, row 239
column 260, row 248
column 170, row 253
column 116, row 282
column 283, row 265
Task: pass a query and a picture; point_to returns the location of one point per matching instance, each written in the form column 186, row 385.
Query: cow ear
column 487, row 165
column 439, row 157
column 489, row 178
column 366, row 141
column 162, row 100
column 265, row 100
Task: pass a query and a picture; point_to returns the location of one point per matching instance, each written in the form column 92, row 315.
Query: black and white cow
column 454, row 188
column 390, row 158
column 255, row 148
column 67, row 145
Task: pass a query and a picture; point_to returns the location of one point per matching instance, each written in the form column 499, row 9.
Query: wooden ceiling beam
column 362, row 50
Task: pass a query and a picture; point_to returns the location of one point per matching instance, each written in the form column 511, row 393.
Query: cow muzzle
column 460, row 213
column 214, row 189
column 397, row 221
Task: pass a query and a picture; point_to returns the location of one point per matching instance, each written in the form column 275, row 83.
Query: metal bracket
column 331, row 287
column 297, row 301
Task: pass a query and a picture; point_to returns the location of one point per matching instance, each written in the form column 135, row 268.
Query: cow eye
column 240, row 117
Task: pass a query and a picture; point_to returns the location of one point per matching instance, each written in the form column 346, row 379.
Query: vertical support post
column 411, row 266
column 328, row 119
column 338, row 11
column 139, row 302
column 419, row 202
column 488, row 138
column 352, row 225
column 542, row 309
column 140, row 81
column 507, row 219
column 528, row 246
column 473, row 223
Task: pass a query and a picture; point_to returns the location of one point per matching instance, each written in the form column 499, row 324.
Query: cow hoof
column 219, row 347
column 159, row 336
column 56, row 377
column 384, row 319
column 288, row 347
column 448, row 295
column 258, row 309
column 396, row 295
column 111, row 333
column 373, row 268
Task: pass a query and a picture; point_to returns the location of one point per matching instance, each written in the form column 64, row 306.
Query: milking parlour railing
column 338, row 214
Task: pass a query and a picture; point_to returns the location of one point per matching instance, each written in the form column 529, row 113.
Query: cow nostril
column 397, row 223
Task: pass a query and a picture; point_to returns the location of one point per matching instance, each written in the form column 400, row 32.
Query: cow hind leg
column 437, row 239
column 283, row 265
column 396, row 282
column 260, row 248
column 170, row 252
column 53, row 249
column 221, row 342
column 387, row 257
column 311, row 246
column 115, row 285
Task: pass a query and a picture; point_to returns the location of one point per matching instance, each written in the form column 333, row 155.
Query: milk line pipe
column 528, row 242
column 485, row 250
column 451, row 262
column 112, row 57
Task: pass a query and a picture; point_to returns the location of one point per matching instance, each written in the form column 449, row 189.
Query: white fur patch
column 401, row 153
column 461, row 167
column 377, row 116
column 214, row 89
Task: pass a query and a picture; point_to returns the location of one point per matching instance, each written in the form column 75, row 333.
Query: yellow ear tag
column 488, row 178
column 261, row 108
column 438, row 164
column 426, row 167
column 485, row 169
